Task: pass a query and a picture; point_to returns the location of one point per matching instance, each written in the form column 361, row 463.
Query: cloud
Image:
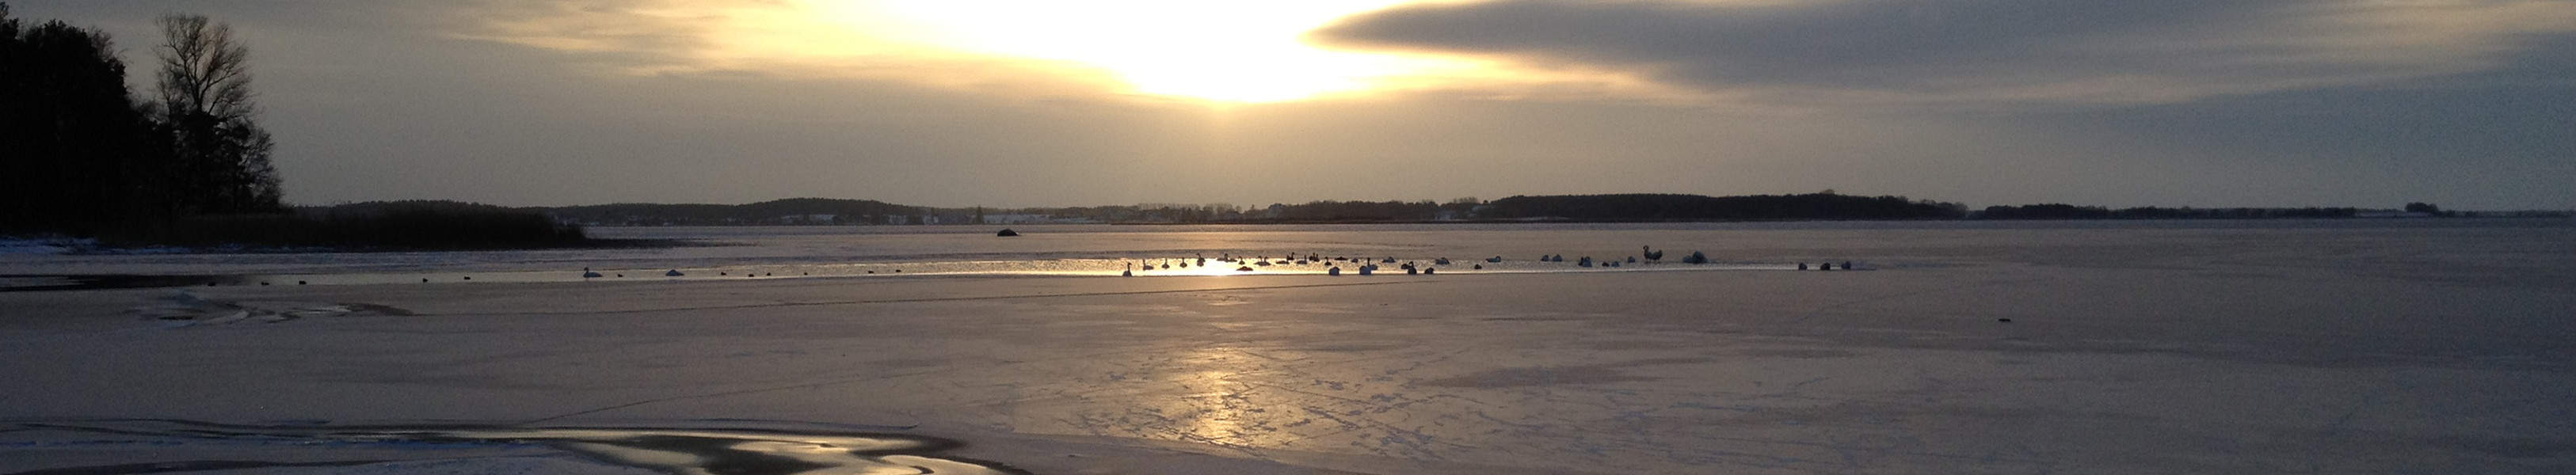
column 586, row 101
column 1982, row 51
column 1117, row 51
column 763, row 38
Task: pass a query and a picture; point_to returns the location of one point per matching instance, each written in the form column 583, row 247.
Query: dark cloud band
column 1985, row 50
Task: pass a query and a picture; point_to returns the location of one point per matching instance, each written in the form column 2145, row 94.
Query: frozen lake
column 2348, row 346
column 743, row 252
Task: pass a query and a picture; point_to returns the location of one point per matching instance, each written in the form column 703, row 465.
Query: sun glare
column 1220, row 51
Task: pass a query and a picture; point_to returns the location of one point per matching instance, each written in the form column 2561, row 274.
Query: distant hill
column 1677, row 207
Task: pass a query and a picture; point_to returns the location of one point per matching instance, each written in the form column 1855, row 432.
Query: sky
column 2469, row 104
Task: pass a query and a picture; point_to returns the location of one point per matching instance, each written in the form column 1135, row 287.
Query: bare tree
column 202, row 70
column 221, row 155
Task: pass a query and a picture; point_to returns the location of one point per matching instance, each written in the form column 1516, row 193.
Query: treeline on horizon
column 1616, row 207
column 1578, row 208
column 189, row 165
column 1678, row 207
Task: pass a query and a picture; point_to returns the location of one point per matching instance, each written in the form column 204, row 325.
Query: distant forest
column 1668, row 207
column 2066, row 211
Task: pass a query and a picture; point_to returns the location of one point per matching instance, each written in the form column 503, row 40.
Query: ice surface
column 2149, row 349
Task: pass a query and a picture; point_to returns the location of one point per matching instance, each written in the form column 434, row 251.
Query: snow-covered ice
column 2235, row 348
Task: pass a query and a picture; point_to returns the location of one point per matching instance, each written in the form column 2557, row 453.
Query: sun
column 1212, row 50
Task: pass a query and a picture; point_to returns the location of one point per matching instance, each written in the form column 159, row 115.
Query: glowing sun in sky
column 1214, row 50
column 1210, row 51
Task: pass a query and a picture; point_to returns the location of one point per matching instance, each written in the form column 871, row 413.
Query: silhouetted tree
column 220, row 157
column 73, row 148
column 81, row 154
